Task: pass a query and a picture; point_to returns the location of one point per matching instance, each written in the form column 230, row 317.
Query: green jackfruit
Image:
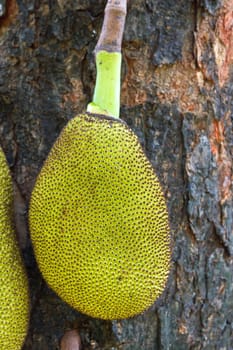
column 98, row 220
column 14, row 298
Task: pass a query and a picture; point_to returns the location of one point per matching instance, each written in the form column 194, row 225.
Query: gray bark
column 177, row 96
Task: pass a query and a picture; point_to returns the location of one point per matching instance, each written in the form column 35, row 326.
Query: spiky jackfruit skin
column 14, row 298
column 98, row 220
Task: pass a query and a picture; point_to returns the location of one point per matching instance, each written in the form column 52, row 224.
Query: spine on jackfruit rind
column 106, row 99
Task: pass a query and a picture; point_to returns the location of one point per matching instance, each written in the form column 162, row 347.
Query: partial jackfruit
column 14, row 297
column 98, row 220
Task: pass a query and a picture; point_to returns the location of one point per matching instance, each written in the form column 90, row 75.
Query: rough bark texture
column 177, row 96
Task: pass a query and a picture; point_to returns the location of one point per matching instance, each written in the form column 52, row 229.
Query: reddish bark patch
column 224, row 30
column 9, row 17
column 224, row 161
column 220, row 39
column 137, row 79
column 180, row 83
column 76, row 95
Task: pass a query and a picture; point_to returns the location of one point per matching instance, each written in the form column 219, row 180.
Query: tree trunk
column 177, row 96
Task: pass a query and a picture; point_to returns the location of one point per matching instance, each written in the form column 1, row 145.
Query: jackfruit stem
column 106, row 99
column 111, row 35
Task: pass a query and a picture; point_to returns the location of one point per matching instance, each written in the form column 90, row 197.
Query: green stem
column 106, row 98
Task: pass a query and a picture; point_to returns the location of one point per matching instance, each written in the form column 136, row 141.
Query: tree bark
column 177, row 96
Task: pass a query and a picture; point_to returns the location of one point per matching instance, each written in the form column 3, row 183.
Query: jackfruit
column 99, row 222
column 14, row 297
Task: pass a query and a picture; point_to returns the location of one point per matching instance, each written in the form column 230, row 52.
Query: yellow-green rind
column 98, row 220
column 14, row 298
